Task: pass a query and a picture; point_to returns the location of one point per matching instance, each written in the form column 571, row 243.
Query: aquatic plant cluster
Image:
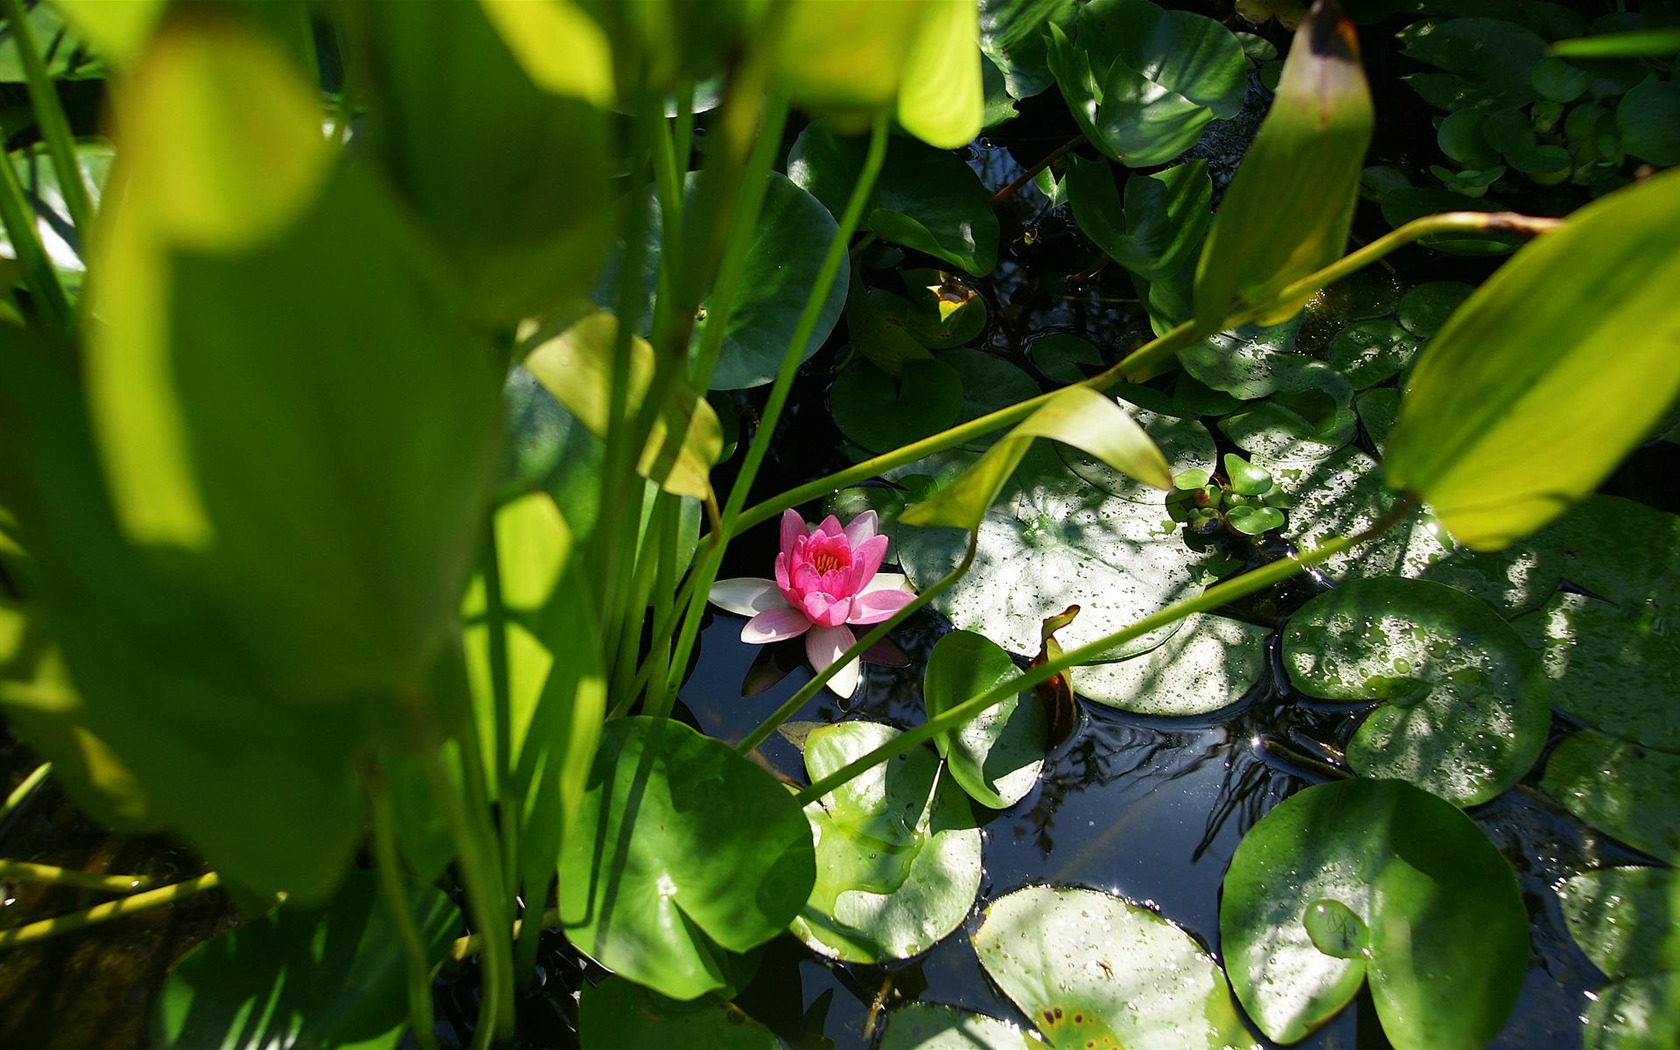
column 384, row 389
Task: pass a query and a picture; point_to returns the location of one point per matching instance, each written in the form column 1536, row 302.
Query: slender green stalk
column 400, row 907
column 470, row 945
column 792, row 705
column 25, row 788
column 35, row 932
column 1212, row 598
column 706, row 572
column 19, row 218
column 25, row 871
column 49, row 116
column 501, row 699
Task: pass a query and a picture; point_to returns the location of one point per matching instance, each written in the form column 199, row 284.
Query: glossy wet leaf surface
column 1207, row 665
column 329, row 976
column 1184, row 442
column 1052, row 540
column 1609, row 666
column 1092, row 970
column 897, row 851
column 934, row 1026
column 1622, row 789
column 997, row 755
column 1464, row 705
column 1634, row 1014
column 1627, row 920
column 683, row 850
column 1438, row 904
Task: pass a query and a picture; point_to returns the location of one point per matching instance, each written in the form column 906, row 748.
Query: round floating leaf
column 1402, row 205
column 1466, row 706
column 997, row 755
column 935, row 1026
column 683, row 849
column 1297, row 426
column 1427, row 306
column 924, row 198
column 1185, row 443
column 1606, row 663
column 879, row 411
column 1403, row 889
column 898, row 864
column 988, row 384
column 1624, row 551
column 1635, row 1014
column 1377, row 409
column 1160, row 224
column 1142, row 82
column 1095, row 970
column 1344, row 495
column 1488, row 62
column 1649, row 120
column 1360, row 296
column 621, row 1015
column 1254, row 521
column 303, row 977
column 1049, row 541
column 1621, row 789
column 1060, row 355
column 942, row 310
column 1372, row 351
column 1627, row 920
column 1209, row 664
column 1252, row 362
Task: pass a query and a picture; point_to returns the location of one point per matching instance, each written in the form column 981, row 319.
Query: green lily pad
column 1371, row 351
column 1445, row 933
column 1649, row 119
column 1402, row 205
column 794, row 232
column 1207, row 665
column 880, row 412
column 683, row 850
column 924, row 198
column 898, row 853
column 1635, row 1014
column 1060, row 355
column 1377, row 409
column 935, row 1026
column 1158, row 228
column 1360, row 296
column 1185, row 443
column 1465, row 707
column 1607, row 664
column 997, row 755
column 1049, row 541
column 1623, row 551
column 942, row 310
column 1627, row 920
column 303, row 977
column 1142, row 82
column 1488, row 63
column 621, row 1015
column 1252, row 362
column 1093, row 970
column 1344, row 495
column 1427, row 306
column 1301, row 425
column 988, row 384
column 1621, row 789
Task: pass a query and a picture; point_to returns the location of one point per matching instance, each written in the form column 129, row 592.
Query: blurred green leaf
column 1633, row 44
column 560, row 48
column 1287, row 211
column 62, row 49
column 941, row 100
column 1540, row 383
column 117, row 31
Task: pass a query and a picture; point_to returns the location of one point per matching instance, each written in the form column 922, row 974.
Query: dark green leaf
column 1621, row 789
column 1161, row 223
column 1489, row 62
column 880, row 412
column 1627, row 920
column 995, row 756
column 1649, row 120
column 620, row 1015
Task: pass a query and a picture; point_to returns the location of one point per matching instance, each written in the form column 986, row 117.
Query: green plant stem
column 25, row 788
column 1150, row 353
column 49, row 115
column 706, row 573
column 1212, row 598
column 470, row 945
column 26, row 871
column 400, row 907
column 476, row 859
column 35, row 932
column 858, row 648
column 501, row 697
column 1031, row 173
column 19, row 218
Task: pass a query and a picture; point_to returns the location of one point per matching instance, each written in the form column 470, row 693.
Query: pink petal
column 782, row 572
column 746, row 596
column 824, row 610
column 823, row 646
column 863, row 527
column 831, row 526
column 793, row 526
column 866, row 559
column 876, row 606
column 775, row 625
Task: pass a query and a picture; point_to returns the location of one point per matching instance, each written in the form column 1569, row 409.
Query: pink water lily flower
column 826, row 579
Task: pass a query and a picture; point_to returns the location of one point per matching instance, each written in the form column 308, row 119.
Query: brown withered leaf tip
column 1055, row 694
column 1331, row 32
